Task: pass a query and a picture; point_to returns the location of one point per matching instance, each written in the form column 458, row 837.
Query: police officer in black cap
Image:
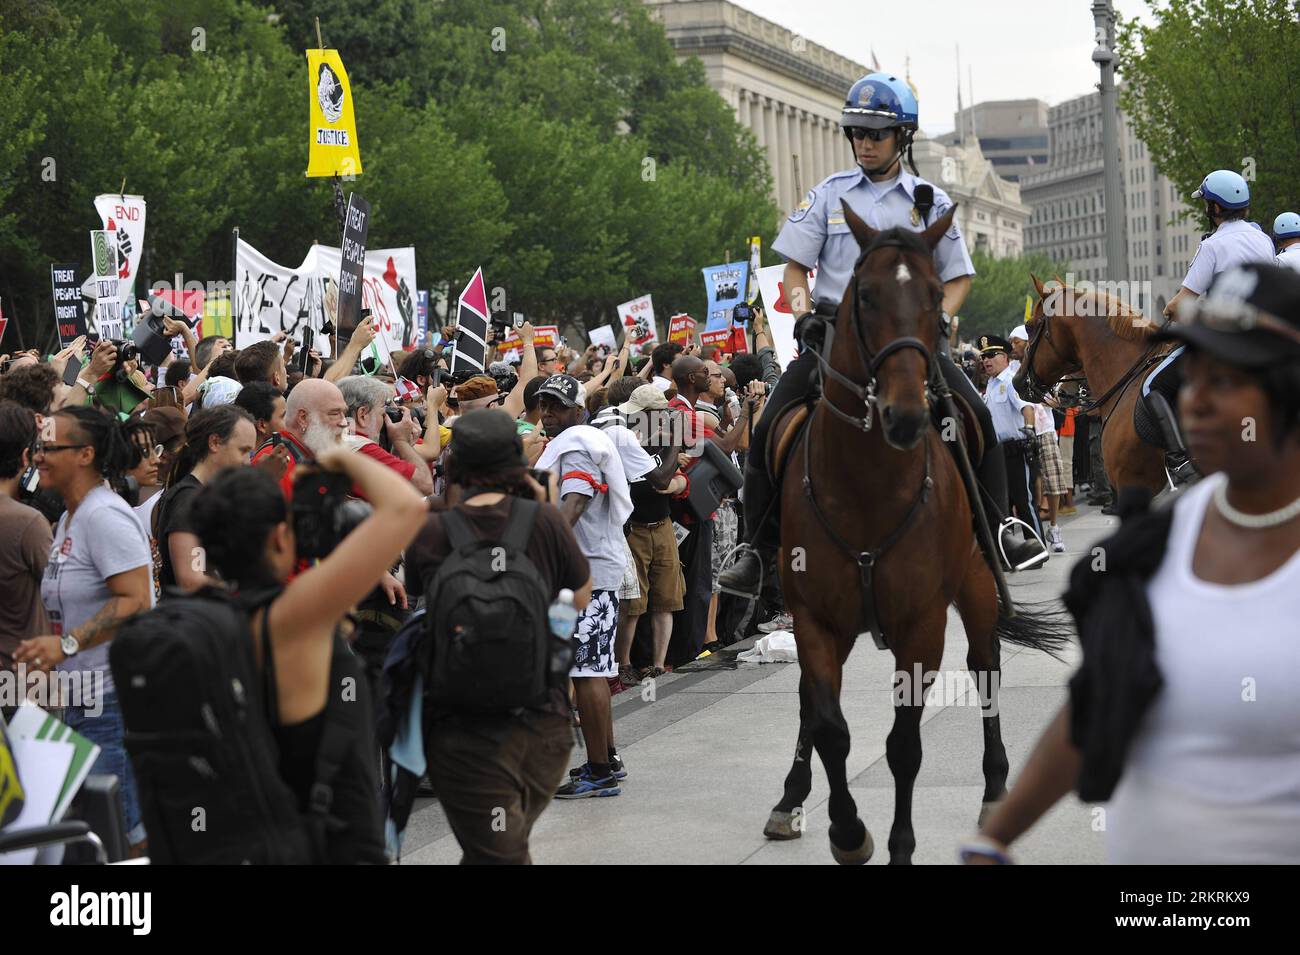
column 1013, row 422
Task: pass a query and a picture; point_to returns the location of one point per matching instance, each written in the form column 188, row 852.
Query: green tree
column 997, row 299
column 1215, row 84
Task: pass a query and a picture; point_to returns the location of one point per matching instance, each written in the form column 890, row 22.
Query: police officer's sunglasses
column 875, row 135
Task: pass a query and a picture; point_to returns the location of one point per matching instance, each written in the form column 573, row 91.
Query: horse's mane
column 1124, row 321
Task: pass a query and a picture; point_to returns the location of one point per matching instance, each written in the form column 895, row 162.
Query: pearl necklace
column 1253, row 521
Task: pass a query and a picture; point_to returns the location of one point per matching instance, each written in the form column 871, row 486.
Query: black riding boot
column 991, row 475
column 1179, row 465
column 745, row 577
column 762, row 509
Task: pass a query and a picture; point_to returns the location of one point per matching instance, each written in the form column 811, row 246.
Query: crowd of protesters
column 137, row 486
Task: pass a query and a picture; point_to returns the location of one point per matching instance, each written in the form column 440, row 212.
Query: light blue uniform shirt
column 816, row 234
column 1289, row 258
column 1005, row 405
column 1234, row 242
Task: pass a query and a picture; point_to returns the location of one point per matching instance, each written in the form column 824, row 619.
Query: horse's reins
column 866, row 559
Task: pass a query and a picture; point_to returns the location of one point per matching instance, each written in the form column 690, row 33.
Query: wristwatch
column 69, row 645
column 90, row 388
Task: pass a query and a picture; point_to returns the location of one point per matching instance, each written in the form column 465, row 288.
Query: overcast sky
column 1015, row 49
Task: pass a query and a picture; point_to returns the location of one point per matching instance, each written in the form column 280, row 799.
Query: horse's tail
column 1038, row 626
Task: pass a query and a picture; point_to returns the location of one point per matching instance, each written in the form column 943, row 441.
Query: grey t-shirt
column 599, row 538
column 104, row 539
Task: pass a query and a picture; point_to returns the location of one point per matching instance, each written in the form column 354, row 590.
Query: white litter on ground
column 777, row 647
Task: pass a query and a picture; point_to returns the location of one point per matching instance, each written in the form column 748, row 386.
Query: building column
column 781, row 164
column 742, row 110
column 809, row 161
column 767, row 107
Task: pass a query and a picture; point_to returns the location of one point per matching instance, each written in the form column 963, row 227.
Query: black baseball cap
column 1249, row 317
column 486, row 439
column 565, row 388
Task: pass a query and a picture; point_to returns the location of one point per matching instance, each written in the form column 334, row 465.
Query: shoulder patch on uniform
column 940, row 210
column 801, row 211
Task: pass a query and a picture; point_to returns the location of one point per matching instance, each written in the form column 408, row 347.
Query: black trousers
column 1018, row 484
column 762, row 516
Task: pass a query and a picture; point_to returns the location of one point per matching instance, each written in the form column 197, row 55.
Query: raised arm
column 363, row 336
column 320, row 596
column 514, row 402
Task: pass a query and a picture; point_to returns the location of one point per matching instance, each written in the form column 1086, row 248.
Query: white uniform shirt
column 1234, row 242
column 1290, row 258
column 817, row 234
column 1005, row 406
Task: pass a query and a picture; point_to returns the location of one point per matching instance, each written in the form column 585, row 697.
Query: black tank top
column 356, row 832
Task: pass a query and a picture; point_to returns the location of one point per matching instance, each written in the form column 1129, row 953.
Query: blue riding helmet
column 1286, row 226
column 1225, row 187
column 879, row 101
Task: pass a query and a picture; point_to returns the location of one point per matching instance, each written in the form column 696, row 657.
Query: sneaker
column 652, row 673
column 1111, row 509
column 616, row 767
column 1054, row 536
column 1067, row 509
column 627, row 675
column 586, row 786
column 782, row 621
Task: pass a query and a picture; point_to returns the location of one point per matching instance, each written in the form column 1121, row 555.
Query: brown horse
column 876, row 533
column 1074, row 331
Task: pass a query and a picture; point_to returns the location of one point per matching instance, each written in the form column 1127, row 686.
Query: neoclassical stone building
column 789, row 91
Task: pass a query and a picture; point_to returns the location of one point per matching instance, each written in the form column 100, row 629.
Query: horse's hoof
column 858, row 856
column 986, row 810
column 784, row 825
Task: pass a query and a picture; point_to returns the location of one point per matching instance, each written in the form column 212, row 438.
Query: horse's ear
column 861, row 231
column 938, row 227
column 1038, row 286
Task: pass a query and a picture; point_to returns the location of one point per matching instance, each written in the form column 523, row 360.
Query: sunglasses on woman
column 875, row 135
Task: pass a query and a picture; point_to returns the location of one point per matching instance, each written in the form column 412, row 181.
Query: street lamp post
column 1103, row 18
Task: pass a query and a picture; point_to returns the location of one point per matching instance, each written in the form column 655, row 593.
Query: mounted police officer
column 879, row 120
column 1286, row 232
column 1233, row 241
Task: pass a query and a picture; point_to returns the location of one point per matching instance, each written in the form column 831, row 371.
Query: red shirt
column 297, row 452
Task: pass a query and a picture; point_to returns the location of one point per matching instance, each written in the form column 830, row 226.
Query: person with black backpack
column 497, row 735
column 248, row 719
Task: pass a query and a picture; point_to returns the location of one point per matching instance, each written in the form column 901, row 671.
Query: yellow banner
column 1029, row 308
column 333, row 149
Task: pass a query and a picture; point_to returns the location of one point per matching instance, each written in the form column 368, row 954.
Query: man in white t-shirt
column 594, row 475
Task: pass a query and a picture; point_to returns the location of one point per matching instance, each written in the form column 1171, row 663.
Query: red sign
column 544, row 336
column 680, row 328
column 719, row 338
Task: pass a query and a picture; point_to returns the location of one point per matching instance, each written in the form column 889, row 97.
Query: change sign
column 68, row 313
column 353, row 268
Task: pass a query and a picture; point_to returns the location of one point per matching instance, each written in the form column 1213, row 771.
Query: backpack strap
column 519, row 527
column 460, row 532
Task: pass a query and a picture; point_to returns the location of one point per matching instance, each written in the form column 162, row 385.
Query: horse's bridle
column 1037, row 389
column 1042, row 330
column 870, row 360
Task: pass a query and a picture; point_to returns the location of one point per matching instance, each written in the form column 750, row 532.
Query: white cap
column 1019, row 332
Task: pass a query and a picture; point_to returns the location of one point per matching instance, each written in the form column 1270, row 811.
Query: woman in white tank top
column 1210, row 772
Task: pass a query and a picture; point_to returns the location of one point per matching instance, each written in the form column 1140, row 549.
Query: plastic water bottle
column 563, row 616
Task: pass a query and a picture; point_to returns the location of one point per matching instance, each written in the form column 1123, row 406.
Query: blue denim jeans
column 107, row 730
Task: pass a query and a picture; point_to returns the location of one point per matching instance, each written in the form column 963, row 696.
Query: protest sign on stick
column 472, row 325
column 356, row 226
column 125, row 215
column 638, row 320
column 680, row 327
column 603, row 335
column 69, row 316
column 332, row 149
column 725, row 287
column 108, row 307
